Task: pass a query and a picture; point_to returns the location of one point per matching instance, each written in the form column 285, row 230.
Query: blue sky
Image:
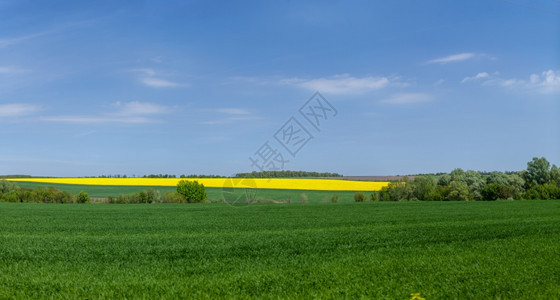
column 181, row 87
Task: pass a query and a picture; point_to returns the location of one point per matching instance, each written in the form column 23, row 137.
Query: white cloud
column 130, row 112
column 152, row 78
column 158, row 83
column 452, row 58
column 546, row 82
column 17, row 109
column 407, row 98
column 477, row 76
column 144, row 71
column 136, row 108
column 340, row 84
column 439, row 82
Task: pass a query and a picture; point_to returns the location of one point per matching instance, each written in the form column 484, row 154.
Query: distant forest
column 286, row 173
column 254, row 174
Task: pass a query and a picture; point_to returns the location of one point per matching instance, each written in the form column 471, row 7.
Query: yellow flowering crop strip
column 260, row 183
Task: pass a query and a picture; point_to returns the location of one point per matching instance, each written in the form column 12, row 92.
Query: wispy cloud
column 159, row 83
column 408, row 98
column 452, row 58
column 477, row 76
column 230, row 115
column 547, row 82
column 129, row 112
column 6, row 42
column 149, row 77
column 340, row 84
column 144, row 71
column 18, row 109
column 136, row 108
column 11, row 70
column 439, row 82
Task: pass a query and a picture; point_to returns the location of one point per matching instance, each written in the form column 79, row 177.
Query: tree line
column 11, row 192
column 539, row 181
column 286, row 174
column 186, row 192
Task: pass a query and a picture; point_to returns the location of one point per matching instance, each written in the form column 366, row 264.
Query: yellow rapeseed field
column 261, row 183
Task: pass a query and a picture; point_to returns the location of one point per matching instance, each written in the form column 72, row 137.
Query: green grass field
column 101, row 191
column 465, row 250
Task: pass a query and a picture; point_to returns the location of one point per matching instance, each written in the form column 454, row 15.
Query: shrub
column 193, row 191
column 7, row 186
column 334, row 198
column 83, row 197
column 173, row 197
column 303, row 198
column 359, row 197
column 543, row 192
column 374, row 197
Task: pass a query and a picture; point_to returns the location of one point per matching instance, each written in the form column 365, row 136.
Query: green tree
column 423, row 186
column 459, row 191
column 437, row 194
column 398, row 191
column 444, row 180
column 193, row 191
column 537, row 172
column 495, row 191
column 555, row 175
column 475, row 182
column 7, row 186
column 83, row 197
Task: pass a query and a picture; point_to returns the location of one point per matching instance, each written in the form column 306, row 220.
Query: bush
column 398, row 191
column 374, row 197
column 193, row 191
column 334, row 198
column 303, row 198
column 543, row 192
column 7, row 186
column 359, row 197
column 83, row 197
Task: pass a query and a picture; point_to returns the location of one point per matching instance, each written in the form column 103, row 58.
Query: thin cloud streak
column 340, row 84
column 18, row 109
column 127, row 113
column 476, row 77
column 452, row 58
column 408, row 98
column 159, row 83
